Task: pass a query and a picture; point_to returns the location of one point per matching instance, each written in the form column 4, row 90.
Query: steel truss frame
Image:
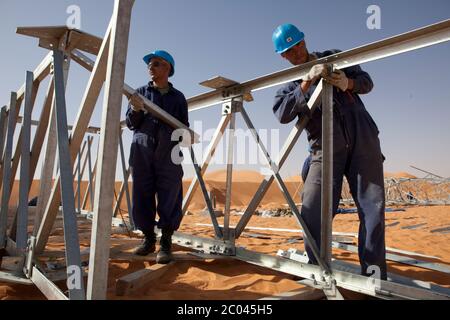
column 109, row 68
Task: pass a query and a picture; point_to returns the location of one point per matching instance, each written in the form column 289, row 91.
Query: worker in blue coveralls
column 356, row 147
column 157, row 178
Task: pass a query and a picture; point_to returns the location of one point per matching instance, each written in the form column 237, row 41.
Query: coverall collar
column 151, row 85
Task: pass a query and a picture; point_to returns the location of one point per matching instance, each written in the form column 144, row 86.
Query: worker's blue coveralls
column 356, row 154
column 153, row 170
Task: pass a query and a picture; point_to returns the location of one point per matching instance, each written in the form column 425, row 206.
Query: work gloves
column 136, row 102
column 337, row 77
column 315, row 73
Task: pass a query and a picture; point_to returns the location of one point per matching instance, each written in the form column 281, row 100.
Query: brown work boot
column 147, row 246
column 164, row 255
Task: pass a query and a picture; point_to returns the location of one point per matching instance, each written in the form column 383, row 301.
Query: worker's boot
column 164, row 255
column 148, row 245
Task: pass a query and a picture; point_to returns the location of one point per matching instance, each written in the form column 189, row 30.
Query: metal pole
column 226, row 221
column 79, row 183
column 22, row 214
column 206, row 159
column 110, row 130
column 6, row 191
column 200, row 180
column 327, row 170
column 73, row 256
column 46, row 178
column 3, row 131
column 91, row 192
column 126, row 174
column 83, row 166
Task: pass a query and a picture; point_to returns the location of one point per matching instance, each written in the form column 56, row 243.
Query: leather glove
column 338, row 79
column 316, row 72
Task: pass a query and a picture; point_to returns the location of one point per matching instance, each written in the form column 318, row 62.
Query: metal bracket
column 28, row 267
column 231, row 234
column 232, row 106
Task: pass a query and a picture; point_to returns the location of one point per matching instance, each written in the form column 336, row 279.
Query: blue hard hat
column 164, row 55
column 286, row 36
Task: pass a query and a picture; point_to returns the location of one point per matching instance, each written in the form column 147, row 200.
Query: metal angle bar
column 47, row 287
column 41, row 129
column 17, row 153
column 124, row 187
column 285, row 151
column 6, row 190
column 12, row 277
column 3, row 131
column 90, row 192
column 22, row 214
column 79, row 154
column 110, row 125
column 346, row 280
column 198, row 174
column 119, row 197
column 91, row 129
column 427, row 172
column 83, row 169
column 125, row 173
column 207, row 245
column 337, row 234
column 401, row 259
column 78, row 173
column 89, row 188
column 72, row 244
column 218, row 134
column 412, row 40
column 226, row 218
column 353, row 268
column 327, row 170
column 79, row 182
column 126, row 177
column 313, row 244
column 46, row 178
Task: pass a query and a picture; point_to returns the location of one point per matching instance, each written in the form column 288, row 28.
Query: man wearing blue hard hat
column 157, row 179
column 356, row 155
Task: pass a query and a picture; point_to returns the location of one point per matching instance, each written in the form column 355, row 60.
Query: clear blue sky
column 410, row 101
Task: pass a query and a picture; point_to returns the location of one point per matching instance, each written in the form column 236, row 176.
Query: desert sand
column 232, row 279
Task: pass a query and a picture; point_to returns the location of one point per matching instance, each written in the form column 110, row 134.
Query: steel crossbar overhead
column 109, row 69
column 409, row 41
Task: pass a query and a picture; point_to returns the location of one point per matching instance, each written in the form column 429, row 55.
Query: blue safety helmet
column 285, row 37
column 164, row 55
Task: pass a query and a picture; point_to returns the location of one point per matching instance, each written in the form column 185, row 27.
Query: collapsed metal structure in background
column 57, row 194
